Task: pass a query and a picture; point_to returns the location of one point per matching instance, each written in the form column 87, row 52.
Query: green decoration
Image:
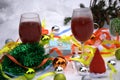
column 82, row 6
column 115, row 26
column 45, row 39
column 66, row 20
column 29, row 55
column 117, row 54
column 30, row 74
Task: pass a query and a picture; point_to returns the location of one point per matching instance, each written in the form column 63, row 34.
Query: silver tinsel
column 55, row 29
column 112, row 62
column 83, row 71
column 59, row 69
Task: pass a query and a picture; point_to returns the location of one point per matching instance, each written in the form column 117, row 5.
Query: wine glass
column 30, row 28
column 82, row 25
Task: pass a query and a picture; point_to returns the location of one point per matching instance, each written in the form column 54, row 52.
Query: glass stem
column 82, row 49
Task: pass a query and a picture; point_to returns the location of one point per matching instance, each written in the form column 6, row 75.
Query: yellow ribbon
column 111, row 51
column 113, row 70
column 74, row 41
column 88, row 55
column 9, row 46
column 65, row 39
column 45, row 75
column 43, row 23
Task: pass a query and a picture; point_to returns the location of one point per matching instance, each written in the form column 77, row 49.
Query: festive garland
column 29, row 55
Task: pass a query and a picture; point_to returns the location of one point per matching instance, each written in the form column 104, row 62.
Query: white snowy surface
column 72, row 74
column 53, row 11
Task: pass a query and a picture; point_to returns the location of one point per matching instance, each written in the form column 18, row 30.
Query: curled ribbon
column 9, row 46
column 98, row 36
column 113, row 70
column 86, row 57
column 109, row 47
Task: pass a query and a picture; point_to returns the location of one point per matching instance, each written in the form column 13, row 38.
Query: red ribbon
column 59, row 52
column 16, row 62
column 97, row 36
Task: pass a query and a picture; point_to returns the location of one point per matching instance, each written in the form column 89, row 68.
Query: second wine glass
column 82, row 25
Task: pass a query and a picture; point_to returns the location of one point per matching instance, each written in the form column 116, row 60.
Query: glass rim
column 30, row 15
column 80, row 9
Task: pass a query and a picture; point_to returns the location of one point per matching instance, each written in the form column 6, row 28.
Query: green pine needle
column 29, row 55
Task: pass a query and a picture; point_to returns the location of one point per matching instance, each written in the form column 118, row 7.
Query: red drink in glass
column 30, row 31
column 82, row 28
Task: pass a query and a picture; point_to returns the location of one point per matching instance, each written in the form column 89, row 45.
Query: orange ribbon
column 16, row 62
column 43, row 62
column 59, row 52
column 97, row 36
column 44, row 31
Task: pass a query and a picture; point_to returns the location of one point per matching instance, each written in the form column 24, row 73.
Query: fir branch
column 66, row 20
